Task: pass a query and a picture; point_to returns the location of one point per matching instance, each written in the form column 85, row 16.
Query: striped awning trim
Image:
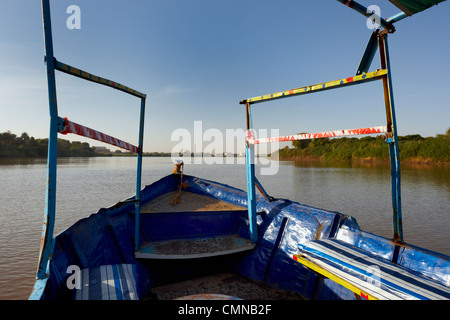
column 75, row 128
column 317, row 135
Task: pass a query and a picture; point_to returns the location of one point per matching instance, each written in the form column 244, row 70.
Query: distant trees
column 12, row 145
column 434, row 148
column 23, row 146
column 301, row 144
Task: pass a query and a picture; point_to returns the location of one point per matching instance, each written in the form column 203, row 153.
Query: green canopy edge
column 411, row 7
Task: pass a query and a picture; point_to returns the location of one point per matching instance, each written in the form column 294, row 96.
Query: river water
column 87, row 184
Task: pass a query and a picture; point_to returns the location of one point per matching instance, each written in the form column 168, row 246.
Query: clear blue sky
column 197, row 59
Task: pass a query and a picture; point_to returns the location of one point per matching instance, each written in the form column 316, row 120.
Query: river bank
column 417, row 161
column 414, row 150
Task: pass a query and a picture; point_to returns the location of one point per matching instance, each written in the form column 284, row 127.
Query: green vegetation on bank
column 12, row 145
column 413, row 148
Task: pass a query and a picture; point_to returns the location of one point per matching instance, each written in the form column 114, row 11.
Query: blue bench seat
column 108, row 282
column 367, row 275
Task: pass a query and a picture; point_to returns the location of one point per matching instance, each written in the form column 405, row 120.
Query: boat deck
column 214, row 287
column 188, row 202
column 188, row 248
column 192, row 246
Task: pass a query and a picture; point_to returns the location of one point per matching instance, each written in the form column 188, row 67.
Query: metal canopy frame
column 64, row 126
column 378, row 40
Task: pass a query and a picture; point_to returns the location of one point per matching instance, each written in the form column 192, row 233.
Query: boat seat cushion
column 371, row 274
column 108, row 282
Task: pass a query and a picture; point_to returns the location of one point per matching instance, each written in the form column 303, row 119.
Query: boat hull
column 106, row 238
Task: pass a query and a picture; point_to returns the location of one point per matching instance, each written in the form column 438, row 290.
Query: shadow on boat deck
column 228, row 284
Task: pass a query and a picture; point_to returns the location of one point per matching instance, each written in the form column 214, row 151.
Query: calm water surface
column 87, row 184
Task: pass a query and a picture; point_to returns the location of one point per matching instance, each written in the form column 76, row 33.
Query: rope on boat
column 178, row 169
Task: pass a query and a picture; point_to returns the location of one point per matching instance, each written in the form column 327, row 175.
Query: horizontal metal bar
column 90, row 77
column 365, row 77
column 72, row 127
column 399, row 16
column 325, row 134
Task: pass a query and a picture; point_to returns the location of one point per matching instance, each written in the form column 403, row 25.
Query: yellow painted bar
column 88, row 76
column 365, row 77
column 331, row 276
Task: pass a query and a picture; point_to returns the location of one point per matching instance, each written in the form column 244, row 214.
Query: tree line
column 413, row 148
column 12, row 145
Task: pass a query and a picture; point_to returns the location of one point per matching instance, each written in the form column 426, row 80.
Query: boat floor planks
column 193, row 246
column 188, row 202
column 189, row 248
column 227, row 283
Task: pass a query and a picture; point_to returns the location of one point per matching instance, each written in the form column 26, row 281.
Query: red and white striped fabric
column 325, row 134
column 72, row 127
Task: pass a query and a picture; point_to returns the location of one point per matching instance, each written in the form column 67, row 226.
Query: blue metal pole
column 393, row 148
column 46, row 250
column 251, row 193
column 139, row 175
column 399, row 16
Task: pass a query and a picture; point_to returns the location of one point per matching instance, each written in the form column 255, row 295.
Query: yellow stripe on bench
column 311, row 265
column 368, row 275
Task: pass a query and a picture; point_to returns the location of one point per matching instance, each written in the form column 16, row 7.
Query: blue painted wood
column 251, row 193
column 250, row 167
column 50, row 191
column 369, row 54
column 56, row 124
column 139, row 173
column 394, row 153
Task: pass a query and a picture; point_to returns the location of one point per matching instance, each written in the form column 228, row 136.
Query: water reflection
column 21, row 161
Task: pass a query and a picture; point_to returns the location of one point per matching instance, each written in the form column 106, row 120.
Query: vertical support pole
column 392, row 139
column 138, row 177
column 251, row 193
column 46, row 249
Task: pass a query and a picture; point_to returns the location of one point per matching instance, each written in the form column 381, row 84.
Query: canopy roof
column 411, row 7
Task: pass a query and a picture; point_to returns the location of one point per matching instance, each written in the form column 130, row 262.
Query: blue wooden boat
column 186, row 237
